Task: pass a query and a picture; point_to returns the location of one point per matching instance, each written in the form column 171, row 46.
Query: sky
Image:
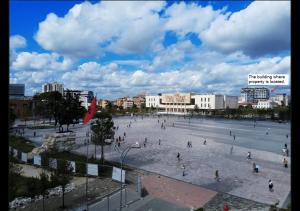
column 118, row 49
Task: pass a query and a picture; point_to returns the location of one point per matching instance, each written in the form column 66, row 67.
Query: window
column 201, row 105
column 207, row 99
column 201, row 100
column 208, row 105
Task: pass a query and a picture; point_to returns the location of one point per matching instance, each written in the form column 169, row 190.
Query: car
column 108, row 141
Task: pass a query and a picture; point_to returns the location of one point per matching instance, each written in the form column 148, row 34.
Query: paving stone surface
column 221, row 152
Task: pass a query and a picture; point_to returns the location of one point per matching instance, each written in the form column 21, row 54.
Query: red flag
column 91, row 112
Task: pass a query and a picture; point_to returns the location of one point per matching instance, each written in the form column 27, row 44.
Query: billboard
column 177, row 98
column 24, row 157
column 37, row 160
column 116, row 174
column 92, row 169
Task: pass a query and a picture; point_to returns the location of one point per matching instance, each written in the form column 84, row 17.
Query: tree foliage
column 62, row 176
column 102, row 128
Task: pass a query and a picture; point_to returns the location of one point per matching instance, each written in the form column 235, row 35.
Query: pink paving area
column 177, row 192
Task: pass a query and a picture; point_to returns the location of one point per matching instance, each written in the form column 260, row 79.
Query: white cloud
column 87, row 28
column 223, row 78
column 184, row 18
column 26, row 61
column 262, row 28
column 15, row 42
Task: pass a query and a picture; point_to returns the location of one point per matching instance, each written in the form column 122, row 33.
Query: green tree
column 62, row 176
column 44, row 185
column 47, row 105
column 26, row 113
column 14, row 172
column 102, row 129
column 70, row 110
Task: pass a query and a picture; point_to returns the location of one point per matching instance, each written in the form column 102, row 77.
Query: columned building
column 185, row 102
column 52, row 87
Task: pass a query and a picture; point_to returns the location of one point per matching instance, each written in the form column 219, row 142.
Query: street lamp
column 122, row 158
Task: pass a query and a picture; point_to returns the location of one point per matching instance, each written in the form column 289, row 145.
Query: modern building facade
column 16, row 90
column 253, row 95
column 185, row 102
column 52, row 87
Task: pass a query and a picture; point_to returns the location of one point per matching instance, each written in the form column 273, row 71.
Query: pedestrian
column 124, row 134
column 178, row 156
column 254, row 167
column 119, row 143
column 144, row 144
column 217, row 175
column 270, row 185
column 34, row 133
column 285, row 163
column 287, row 152
column 287, row 135
column 188, row 144
column 285, row 145
column 226, row 208
column 204, row 143
column 234, row 137
column 191, row 144
column 231, row 149
column 249, row 155
column 183, row 170
column 230, row 132
column 158, row 141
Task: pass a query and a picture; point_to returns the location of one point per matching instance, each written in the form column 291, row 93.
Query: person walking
column 226, row 207
column 158, row 141
column 271, row 185
column 231, row 149
column 254, row 167
column 124, row 134
column 183, row 170
column 204, row 143
column 234, row 137
column 287, row 135
column 285, row 163
column 249, row 155
column 217, row 175
column 178, row 156
column 230, row 132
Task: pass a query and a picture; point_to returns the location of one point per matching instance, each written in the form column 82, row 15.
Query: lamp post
column 122, row 158
column 87, row 160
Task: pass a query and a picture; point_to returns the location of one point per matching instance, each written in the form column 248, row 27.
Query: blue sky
column 126, row 48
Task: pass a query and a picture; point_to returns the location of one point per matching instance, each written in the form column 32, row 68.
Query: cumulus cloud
column 15, row 42
column 87, row 29
column 262, row 28
column 28, row 61
column 184, row 18
column 223, row 78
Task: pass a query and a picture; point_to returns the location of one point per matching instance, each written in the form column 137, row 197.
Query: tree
column 48, row 105
column 44, row 185
column 62, row 176
column 14, row 172
column 102, row 129
column 70, row 110
column 26, row 113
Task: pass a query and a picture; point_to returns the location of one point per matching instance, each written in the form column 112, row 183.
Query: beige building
column 185, row 102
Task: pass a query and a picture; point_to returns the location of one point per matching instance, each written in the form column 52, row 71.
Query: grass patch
column 21, row 144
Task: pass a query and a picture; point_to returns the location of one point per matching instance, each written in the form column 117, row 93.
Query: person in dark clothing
column 270, row 185
column 158, row 141
column 178, row 156
column 217, row 175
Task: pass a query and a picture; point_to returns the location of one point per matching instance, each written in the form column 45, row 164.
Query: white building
column 184, row 102
column 265, row 104
column 281, row 99
column 85, row 97
column 52, row 87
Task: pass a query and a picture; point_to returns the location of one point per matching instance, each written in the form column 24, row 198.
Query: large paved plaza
column 221, row 152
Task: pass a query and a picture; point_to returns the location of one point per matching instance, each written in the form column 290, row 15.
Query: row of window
column 204, row 99
column 208, row 105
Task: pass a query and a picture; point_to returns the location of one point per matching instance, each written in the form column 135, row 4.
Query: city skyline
column 123, row 48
